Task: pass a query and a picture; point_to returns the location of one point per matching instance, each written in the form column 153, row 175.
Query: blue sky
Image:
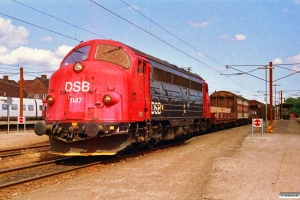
column 209, row 34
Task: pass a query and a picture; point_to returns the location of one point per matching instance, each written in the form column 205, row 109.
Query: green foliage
column 296, row 102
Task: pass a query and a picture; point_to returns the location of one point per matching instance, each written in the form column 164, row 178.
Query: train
column 33, row 109
column 107, row 97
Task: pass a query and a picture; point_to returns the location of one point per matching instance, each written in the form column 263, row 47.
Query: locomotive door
column 141, row 92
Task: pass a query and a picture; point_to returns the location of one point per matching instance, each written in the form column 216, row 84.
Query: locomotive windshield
column 77, row 55
column 113, row 54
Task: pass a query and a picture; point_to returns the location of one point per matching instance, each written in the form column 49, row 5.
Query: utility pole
column 276, row 113
column 280, row 105
column 270, row 128
column 21, row 92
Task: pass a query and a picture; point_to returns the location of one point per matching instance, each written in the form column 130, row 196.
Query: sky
column 226, row 42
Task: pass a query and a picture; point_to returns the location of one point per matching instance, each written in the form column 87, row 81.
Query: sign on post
column 257, row 123
column 21, row 120
column 9, row 103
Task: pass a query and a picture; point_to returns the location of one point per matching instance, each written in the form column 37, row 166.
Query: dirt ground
column 229, row 164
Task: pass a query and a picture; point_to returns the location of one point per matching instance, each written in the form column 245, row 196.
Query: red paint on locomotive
column 107, row 96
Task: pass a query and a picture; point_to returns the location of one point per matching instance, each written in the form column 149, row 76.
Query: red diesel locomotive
column 107, row 96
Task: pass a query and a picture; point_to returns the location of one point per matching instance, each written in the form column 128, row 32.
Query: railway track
column 14, row 176
column 19, row 151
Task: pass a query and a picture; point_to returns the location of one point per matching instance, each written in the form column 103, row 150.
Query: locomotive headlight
column 111, row 98
column 50, row 99
column 106, row 99
column 78, row 67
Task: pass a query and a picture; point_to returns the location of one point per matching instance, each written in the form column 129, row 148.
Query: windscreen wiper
column 115, row 49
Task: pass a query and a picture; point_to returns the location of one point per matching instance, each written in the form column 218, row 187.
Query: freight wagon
column 236, row 107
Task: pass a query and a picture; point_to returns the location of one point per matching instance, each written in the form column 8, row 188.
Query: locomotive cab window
column 77, row 55
column 113, row 54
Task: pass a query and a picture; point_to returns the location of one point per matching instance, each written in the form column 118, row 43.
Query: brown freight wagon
column 257, row 109
column 238, row 105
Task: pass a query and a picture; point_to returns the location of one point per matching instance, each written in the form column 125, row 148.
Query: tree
column 296, row 105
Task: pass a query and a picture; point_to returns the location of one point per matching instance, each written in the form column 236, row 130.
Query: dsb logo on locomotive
column 156, row 108
column 77, row 86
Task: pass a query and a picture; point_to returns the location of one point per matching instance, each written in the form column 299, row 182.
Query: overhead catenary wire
column 87, row 30
column 151, row 21
column 152, row 35
column 40, row 27
column 137, row 27
column 149, row 32
column 59, row 19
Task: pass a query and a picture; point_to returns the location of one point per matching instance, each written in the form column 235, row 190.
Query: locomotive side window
column 77, row 55
column 141, row 68
column 113, row 54
column 196, row 86
column 161, row 75
column 179, row 80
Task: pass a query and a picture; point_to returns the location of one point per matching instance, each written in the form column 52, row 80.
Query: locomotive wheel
column 118, row 154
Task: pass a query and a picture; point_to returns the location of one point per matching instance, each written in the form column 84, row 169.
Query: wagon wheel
column 151, row 144
column 134, row 148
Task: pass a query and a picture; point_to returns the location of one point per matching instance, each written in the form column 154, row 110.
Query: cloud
column 198, row 24
column 296, row 68
column 240, row 37
column 3, row 50
column 225, row 37
column 62, row 51
column 237, row 37
column 297, row 2
column 47, row 38
column 11, row 35
column 277, row 61
column 293, row 59
column 23, row 56
column 134, row 7
column 198, row 53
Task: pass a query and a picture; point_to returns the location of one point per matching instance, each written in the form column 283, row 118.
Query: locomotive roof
column 165, row 63
column 162, row 62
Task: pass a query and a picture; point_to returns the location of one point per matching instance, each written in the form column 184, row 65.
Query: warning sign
column 21, row 120
column 257, row 122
